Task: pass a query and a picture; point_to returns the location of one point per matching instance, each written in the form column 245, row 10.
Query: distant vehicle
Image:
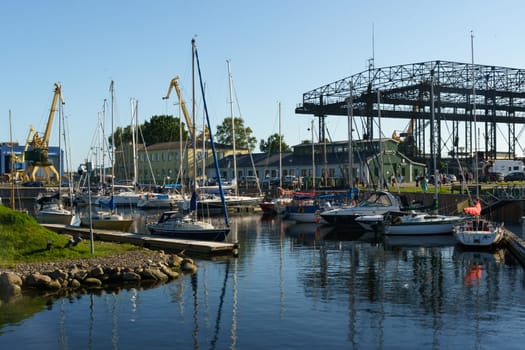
column 515, row 176
column 33, row 184
column 451, row 178
column 491, row 177
column 506, row 166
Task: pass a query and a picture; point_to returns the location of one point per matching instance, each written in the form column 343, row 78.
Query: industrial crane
column 37, row 156
column 191, row 127
column 19, row 161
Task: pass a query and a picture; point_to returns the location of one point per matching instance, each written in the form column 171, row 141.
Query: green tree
column 271, row 145
column 160, row 128
column 243, row 135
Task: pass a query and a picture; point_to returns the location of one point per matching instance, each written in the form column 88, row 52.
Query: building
column 169, row 162
column 6, row 155
column 329, row 164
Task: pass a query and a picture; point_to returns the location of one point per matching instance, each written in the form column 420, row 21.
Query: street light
column 86, row 168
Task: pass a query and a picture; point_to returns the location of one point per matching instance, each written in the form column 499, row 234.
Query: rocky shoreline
column 133, row 267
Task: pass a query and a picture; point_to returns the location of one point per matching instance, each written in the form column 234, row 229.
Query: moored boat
column 420, row 223
column 478, row 232
column 378, row 203
column 175, row 225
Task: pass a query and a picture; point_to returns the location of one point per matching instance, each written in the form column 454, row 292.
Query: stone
column 92, row 282
column 130, row 276
column 169, row 272
column 153, row 274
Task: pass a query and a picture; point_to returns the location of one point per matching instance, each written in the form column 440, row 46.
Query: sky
column 277, row 50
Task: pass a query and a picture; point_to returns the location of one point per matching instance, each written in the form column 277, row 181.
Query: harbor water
column 296, row 286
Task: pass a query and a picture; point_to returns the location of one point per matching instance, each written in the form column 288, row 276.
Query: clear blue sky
column 278, row 50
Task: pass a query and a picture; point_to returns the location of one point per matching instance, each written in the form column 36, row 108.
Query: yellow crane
column 37, row 156
column 19, row 161
column 191, row 127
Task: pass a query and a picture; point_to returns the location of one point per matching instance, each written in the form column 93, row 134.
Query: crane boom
column 191, row 127
column 47, row 133
column 38, row 155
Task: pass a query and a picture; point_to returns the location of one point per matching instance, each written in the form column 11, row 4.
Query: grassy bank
column 23, row 240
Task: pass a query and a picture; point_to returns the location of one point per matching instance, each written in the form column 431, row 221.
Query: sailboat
column 49, row 209
column 477, row 231
column 171, row 223
column 108, row 219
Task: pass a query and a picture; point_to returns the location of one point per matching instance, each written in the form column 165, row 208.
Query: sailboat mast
column 434, row 140
column 233, row 127
column 280, row 150
column 102, row 127
column 381, row 175
column 350, row 110
column 134, row 136
column 13, row 171
column 474, row 114
column 194, row 116
column 313, row 156
column 111, row 88
column 60, row 160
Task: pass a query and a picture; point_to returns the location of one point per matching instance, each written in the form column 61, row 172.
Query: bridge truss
column 495, row 100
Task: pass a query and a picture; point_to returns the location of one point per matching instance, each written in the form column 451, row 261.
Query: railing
column 508, row 192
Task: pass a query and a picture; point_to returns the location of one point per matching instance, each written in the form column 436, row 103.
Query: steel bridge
column 430, row 94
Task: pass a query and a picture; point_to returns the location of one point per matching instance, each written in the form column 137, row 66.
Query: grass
column 23, row 240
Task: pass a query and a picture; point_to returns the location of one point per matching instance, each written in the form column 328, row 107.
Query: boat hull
column 120, row 225
column 54, row 218
column 478, row 233
column 217, row 235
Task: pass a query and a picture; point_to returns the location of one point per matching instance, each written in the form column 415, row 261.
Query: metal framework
column 498, row 97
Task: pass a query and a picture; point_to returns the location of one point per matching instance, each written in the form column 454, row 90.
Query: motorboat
column 152, row 200
column 378, row 203
column 50, row 210
column 420, row 223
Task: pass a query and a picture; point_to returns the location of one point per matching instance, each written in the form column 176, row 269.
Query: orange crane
column 37, row 156
column 191, row 127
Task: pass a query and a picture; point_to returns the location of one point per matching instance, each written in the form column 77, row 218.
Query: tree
column 160, row 128
column 271, row 145
column 243, row 135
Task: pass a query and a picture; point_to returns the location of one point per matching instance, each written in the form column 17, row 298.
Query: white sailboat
column 49, row 209
column 477, row 231
column 108, row 219
column 174, row 225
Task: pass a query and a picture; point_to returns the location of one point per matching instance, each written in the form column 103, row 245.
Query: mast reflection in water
column 296, row 287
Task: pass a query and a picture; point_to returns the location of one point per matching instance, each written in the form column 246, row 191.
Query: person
column 355, row 194
column 400, row 179
column 424, row 184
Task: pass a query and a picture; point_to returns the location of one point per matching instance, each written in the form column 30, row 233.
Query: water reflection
column 301, row 286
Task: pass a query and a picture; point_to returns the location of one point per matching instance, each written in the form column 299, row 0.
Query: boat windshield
column 377, row 200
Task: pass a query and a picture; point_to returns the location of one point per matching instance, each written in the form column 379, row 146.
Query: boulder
column 153, row 274
column 10, row 284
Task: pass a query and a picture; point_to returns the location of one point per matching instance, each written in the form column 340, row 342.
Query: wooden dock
column 189, row 247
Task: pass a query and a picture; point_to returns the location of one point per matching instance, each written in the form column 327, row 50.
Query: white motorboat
column 379, row 203
column 50, row 210
column 420, row 223
column 159, row 200
column 371, row 222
